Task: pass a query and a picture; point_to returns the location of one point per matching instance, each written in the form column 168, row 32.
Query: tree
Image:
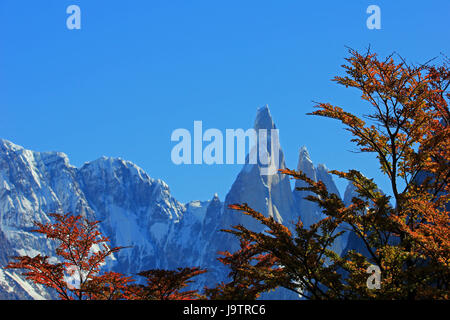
column 110, row 286
column 408, row 240
column 166, row 284
column 249, row 275
column 81, row 251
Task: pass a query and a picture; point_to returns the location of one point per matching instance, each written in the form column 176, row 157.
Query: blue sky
column 137, row 70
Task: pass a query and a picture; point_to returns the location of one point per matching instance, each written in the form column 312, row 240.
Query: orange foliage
column 407, row 235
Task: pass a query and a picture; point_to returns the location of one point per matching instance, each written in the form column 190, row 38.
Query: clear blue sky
column 137, row 70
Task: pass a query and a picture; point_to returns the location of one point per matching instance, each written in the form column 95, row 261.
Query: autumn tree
column 252, row 272
column 166, row 284
column 405, row 230
column 110, row 286
column 81, row 252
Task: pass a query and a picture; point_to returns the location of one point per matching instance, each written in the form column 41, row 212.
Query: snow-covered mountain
column 269, row 194
column 309, row 212
column 136, row 210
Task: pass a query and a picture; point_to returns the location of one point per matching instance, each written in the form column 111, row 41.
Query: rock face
column 136, row 210
column 33, row 184
column 269, row 194
column 309, row 212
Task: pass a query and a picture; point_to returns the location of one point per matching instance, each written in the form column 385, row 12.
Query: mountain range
column 139, row 211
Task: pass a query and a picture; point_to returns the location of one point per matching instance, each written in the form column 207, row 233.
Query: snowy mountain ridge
column 136, row 210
